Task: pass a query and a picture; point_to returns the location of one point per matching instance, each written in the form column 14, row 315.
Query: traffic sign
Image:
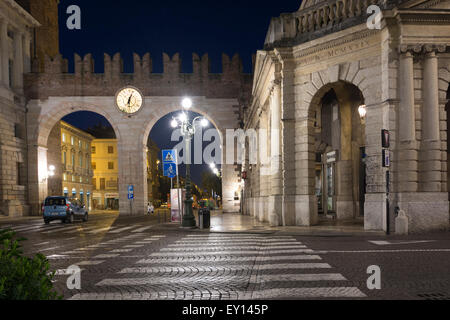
column 170, row 170
column 130, row 192
column 169, row 156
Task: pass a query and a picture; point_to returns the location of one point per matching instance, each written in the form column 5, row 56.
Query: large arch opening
column 206, row 150
column 60, row 153
column 339, row 147
column 82, row 157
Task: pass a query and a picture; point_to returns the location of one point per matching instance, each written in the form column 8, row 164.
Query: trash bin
column 204, row 218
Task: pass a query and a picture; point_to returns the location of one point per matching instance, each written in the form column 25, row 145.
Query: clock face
column 129, row 100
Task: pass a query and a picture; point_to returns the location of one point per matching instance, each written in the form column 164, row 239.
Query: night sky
column 212, row 27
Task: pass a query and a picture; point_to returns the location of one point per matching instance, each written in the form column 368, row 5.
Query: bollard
column 401, row 223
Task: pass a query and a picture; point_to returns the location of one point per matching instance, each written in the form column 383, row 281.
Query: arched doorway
column 206, row 150
column 339, row 146
column 74, row 153
column 82, row 150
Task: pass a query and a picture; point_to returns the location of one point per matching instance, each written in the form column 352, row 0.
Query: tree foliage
column 211, row 182
column 23, row 278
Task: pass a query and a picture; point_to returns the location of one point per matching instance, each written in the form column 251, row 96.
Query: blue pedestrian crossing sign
column 170, row 170
column 169, row 156
column 130, row 192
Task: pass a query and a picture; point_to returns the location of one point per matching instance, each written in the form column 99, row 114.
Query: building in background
column 106, row 174
column 46, row 41
column 69, row 154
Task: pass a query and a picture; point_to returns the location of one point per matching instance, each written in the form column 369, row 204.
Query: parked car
column 63, row 209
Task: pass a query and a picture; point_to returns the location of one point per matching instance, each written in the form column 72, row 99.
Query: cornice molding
column 364, row 34
column 422, row 48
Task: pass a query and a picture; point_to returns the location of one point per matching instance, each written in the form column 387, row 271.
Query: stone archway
column 217, row 111
column 42, row 118
column 131, row 133
column 338, row 133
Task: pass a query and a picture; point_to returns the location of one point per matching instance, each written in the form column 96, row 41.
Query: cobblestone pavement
column 136, row 258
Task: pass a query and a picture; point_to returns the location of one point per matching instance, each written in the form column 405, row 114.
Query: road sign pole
column 179, row 197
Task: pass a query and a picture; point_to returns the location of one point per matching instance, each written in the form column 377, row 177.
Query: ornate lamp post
column 188, row 130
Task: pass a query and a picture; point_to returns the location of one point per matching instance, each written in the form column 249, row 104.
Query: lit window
column 72, row 141
column 63, row 137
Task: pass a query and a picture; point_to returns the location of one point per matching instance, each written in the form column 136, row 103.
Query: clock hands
column 129, row 101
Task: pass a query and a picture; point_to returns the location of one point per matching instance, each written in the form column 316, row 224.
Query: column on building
column 407, row 175
column 430, row 165
column 37, row 177
column 264, row 162
column 26, row 53
column 18, row 61
column 4, row 54
column 276, row 178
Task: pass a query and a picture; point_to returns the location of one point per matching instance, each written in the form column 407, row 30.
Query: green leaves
column 23, row 278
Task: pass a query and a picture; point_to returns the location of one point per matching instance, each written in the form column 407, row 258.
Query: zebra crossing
column 226, row 266
column 76, row 228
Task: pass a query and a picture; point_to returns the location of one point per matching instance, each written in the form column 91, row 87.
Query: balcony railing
column 322, row 16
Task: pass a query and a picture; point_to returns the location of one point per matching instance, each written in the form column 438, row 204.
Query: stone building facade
column 55, row 93
column 322, row 65
column 46, row 39
column 16, row 31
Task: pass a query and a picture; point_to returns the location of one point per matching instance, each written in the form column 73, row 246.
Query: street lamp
column 362, row 111
column 51, row 171
column 188, row 130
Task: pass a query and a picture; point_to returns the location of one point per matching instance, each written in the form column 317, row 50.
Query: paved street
column 138, row 258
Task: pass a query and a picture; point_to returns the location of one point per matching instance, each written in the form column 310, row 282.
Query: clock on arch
column 129, row 100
